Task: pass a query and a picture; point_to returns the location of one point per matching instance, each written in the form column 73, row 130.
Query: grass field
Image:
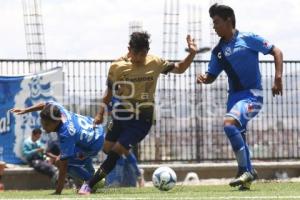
column 268, row 190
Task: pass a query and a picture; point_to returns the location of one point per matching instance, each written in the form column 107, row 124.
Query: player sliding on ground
column 237, row 54
column 132, row 82
column 79, row 140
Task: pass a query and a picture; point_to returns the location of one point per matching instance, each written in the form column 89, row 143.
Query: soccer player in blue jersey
column 79, row 140
column 237, row 54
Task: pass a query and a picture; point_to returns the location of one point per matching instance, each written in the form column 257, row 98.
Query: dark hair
column 222, row 11
column 36, row 131
column 139, row 41
column 50, row 113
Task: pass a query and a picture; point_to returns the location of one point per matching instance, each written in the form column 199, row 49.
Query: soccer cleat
column 253, row 172
column 85, row 189
column 247, row 185
column 244, row 178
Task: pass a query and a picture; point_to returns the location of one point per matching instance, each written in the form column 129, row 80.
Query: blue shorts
column 80, row 166
column 244, row 105
column 128, row 132
column 80, row 169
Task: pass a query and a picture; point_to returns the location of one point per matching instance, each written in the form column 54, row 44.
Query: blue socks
column 133, row 163
column 238, row 146
column 249, row 165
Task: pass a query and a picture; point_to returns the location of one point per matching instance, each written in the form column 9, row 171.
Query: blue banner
column 20, row 92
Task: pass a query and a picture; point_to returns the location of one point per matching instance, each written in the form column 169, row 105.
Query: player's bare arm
column 20, row 111
column 278, row 59
column 62, row 165
column 181, row 66
column 105, row 101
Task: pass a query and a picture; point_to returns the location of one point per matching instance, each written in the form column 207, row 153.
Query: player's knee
column 234, row 136
column 107, row 147
column 120, row 149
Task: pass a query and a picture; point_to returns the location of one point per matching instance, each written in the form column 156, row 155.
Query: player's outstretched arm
column 278, row 58
column 20, row 111
column 205, row 79
column 181, row 66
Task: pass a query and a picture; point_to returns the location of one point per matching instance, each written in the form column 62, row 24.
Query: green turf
column 269, row 190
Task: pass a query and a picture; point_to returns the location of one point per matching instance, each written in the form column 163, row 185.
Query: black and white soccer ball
column 164, row 178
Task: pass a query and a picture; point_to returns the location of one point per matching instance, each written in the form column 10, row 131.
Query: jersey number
column 87, row 131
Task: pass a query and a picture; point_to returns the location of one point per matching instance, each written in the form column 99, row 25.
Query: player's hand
column 40, row 150
column 202, row 78
column 18, row 111
column 192, row 46
column 277, row 87
column 98, row 120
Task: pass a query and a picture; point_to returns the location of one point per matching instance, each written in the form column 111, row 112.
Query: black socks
column 106, row 167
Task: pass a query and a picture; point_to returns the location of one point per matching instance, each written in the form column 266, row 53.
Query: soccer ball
column 164, row 178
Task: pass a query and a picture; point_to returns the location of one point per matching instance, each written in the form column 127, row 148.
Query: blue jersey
column 76, row 131
column 239, row 59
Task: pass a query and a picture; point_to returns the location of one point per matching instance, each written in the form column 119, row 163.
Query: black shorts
column 127, row 132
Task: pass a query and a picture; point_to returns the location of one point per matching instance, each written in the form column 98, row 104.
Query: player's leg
column 80, row 166
column 133, row 131
column 108, row 145
column 249, row 163
column 135, row 134
column 110, row 140
column 251, row 107
column 106, row 167
column 88, row 166
column 79, row 172
column 114, row 128
column 113, row 151
column 242, row 112
column 233, row 125
column 231, row 128
column 113, row 132
column 247, row 185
